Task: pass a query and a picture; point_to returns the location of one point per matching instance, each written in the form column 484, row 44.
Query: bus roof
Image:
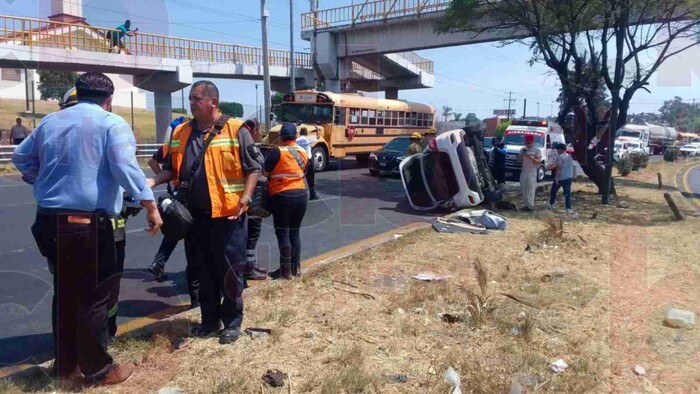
column 354, row 100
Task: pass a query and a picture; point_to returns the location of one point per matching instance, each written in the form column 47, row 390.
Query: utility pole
column 291, row 45
column 314, row 7
column 266, row 67
column 510, row 100
column 257, row 111
column 695, row 114
column 524, row 107
column 538, row 109
column 182, row 98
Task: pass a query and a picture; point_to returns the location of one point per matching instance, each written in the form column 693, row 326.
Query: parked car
column 445, row 175
column 387, row 159
column 690, row 150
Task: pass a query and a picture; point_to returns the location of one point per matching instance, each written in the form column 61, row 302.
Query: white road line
column 324, row 199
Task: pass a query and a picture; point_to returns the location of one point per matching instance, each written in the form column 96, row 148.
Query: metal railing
column 369, row 12
column 424, row 64
column 364, row 72
column 142, row 150
column 52, row 34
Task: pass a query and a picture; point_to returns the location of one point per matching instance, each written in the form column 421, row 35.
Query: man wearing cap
column 530, row 158
column 415, row 146
column 564, row 166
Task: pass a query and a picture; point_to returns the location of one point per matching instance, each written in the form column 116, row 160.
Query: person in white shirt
column 530, row 157
column 18, row 132
column 305, row 142
column 564, row 165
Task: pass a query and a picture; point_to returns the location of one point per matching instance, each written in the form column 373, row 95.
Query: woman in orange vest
column 285, row 168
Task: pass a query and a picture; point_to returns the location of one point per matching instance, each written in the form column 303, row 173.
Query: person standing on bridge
column 78, row 160
column 217, row 194
column 117, row 37
column 285, row 167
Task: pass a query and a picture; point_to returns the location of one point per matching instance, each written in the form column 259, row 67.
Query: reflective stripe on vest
column 118, row 223
column 287, row 174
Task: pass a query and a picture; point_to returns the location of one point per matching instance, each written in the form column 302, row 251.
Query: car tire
column 319, row 157
column 540, row 173
column 373, row 172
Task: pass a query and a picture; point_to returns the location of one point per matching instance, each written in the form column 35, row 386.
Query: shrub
column 670, row 154
column 180, row 111
column 644, row 160
column 624, row 166
column 636, row 160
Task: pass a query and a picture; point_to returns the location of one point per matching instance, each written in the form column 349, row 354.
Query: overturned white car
column 446, row 174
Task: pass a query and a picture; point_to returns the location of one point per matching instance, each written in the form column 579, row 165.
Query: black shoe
column 314, row 196
column 204, row 332
column 157, row 271
column 229, row 335
column 256, row 273
column 277, row 274
column 296, row 271
column 527, row 209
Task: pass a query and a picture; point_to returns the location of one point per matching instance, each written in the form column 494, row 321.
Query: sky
column 473, row 78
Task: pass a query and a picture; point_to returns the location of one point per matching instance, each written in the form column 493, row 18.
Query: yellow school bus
column 349, row 123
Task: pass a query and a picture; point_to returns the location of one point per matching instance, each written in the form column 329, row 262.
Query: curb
column 27, row 371
column 683, row 188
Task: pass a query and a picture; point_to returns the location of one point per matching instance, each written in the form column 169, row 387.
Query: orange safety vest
column 287, row 175
column 222, row 162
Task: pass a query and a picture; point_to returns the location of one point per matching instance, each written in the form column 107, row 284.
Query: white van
column 635, row 132
column 546, row 135
column 444, row 175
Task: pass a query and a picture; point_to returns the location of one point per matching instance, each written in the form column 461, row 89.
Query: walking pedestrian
column 305, row 142
column 564, row 165
column 253, row 269
column 217, row 194
column 78, row 162
column 285, row 167
column 530, row 158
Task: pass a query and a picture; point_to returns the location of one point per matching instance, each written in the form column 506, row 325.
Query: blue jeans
column 566, row 185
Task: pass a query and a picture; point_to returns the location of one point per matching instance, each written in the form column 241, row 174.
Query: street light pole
column 510, row 100
column 257, row 112
column 264, row 13
column 291, row 46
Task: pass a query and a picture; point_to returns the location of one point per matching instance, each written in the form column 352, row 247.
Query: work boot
column 282, row 273
column 157, row 271
column 119, row 373
column 204, row 331
column 229, row 335
column 253, row 270
column 313, row 196
column 296, row 270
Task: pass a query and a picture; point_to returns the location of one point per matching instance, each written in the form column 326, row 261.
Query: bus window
column 414, row 119
column 354, row 116
column 394, row 118
column 306, row 113
column 372, row 117
column 340, row 116
column 380, row 118
column 365, row 118
column 401, row 119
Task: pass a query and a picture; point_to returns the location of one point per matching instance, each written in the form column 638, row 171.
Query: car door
column 415, row 183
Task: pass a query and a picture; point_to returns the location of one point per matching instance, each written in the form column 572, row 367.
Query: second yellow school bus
column 351, row 124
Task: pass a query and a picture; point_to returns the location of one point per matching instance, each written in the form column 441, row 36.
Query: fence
column 51, row 34
column 369, row 12
column 142, row 151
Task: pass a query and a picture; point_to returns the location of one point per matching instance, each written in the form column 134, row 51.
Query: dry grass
column 591, row 292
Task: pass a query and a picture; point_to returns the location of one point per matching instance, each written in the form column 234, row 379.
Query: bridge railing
column 142, row 151
column 424, row 64
column 369, row 12
column 53, row 34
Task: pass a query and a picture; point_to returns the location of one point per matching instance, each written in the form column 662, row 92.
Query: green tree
column 54, row 84
column 231, row 109
column 276, row 99
column 457, row 117
column 472, row 118
column 446, row 112
column 681, row 115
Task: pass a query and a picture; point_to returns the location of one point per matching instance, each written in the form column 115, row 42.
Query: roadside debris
column 399, row 378
column 559, row 366
column 679, row 318
column 552, row 276
column 528, row 248
column 483, row 218
column 506, row 206
column 446, row 225
column 639, row 370
column 430, row 277
column 453, row 378
column 397, row 236
column 170, row 390
column 255, row 332
column 274, row 377
column 451, row 318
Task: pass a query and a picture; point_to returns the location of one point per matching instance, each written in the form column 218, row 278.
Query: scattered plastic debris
column 399, row 378
column 453, row 378
column 450, row 318
column 428, row 277
column 559, row 366
column 639, row 370
column 171, row 390
column 397, row 236
column 274, row 377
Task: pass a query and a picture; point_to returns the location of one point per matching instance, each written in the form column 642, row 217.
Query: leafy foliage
column 54, row 84
column 501, row 128
column 231, row 109
column 624, row 166
column 684, row 116
column 180, row 111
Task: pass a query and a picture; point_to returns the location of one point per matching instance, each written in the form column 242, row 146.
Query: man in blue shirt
column 117, row 37
column 80, row 160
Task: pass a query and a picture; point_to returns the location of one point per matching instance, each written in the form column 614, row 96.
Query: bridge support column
column 391, row 93
column 164, row 110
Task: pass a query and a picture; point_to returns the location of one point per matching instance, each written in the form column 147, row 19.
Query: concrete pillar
column 333, row 85
column 164, row 110
column 391, row 93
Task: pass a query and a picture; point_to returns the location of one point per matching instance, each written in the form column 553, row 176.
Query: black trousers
column 254, row 230
column 218, row 248
column 113, row 306
column 288, row 210
column 81, row 252
column 311, row 177
column 165, row 251
column 499, row 172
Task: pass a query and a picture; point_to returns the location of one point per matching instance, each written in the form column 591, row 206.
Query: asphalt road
column 690, row 185
column 354, row 206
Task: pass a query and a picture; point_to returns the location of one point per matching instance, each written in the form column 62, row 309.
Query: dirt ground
column 593, row 294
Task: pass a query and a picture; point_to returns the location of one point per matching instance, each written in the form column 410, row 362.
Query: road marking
column 324, row 199
column 686, row 186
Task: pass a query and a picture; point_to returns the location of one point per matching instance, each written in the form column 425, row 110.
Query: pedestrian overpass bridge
column 163, row 64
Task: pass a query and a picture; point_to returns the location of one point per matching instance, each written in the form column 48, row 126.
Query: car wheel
column 320, row 158
column 540, row 174
column 373, row 172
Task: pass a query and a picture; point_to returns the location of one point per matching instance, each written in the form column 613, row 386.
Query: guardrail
column 424, row 64
column 142, row 151
column 369, row 12
column 52, row 34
